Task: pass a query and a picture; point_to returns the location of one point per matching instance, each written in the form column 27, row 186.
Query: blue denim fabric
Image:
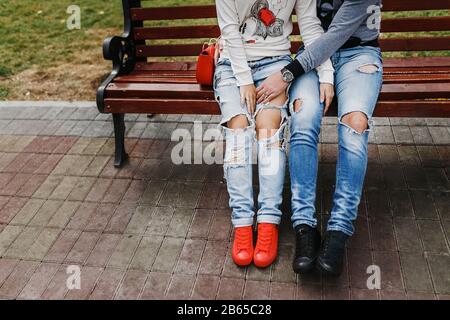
column 355, row 91
column 239, row 147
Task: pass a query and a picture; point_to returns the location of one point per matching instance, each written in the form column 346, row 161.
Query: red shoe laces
column 243, row 239
column 265, row 237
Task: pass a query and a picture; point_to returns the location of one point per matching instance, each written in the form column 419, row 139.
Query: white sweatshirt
column 256, row 29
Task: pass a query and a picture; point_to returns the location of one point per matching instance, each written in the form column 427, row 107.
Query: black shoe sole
column 326, row 269
column 304, row 270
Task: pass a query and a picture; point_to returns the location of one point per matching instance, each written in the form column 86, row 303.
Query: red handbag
column 206, row 64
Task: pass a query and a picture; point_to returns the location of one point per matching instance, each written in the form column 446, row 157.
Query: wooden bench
column 154, row 66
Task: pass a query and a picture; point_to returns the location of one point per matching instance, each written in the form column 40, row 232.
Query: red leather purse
column 206, row 63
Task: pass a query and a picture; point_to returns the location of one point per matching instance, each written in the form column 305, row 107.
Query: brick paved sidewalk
column 155, row 230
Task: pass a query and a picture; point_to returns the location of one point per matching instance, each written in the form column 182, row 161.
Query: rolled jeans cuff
column 244, row 222
column 344, row 230
column 308, row 223
column 265, row 218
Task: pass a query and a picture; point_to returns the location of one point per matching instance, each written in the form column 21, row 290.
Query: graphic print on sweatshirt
column 262, row 20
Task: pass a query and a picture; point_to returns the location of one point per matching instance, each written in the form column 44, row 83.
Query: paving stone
column 62, row 191
column 57, row 288
column 231, row 289
column 23, row 242
column 82, row 216
column 401, row 203
column 153, row 192
column 120, row 218
column 64, row 214
column 98, row 190
column 389, row 264
column 205, row 287
column 49, row 164
column 39, row 281
column 82, row 248
column 282, row 291
column 409, row 155
column 132, row 285
column 124, row 251
column 107, row 284
column 358, row 262
column 336, row 293
column 45, row 213
column 423, row 204
column 101, row 217
column 103, row 250
column 407, row 235
column 30, row 187
column 213, row 258
column 432, row 236
column 116, row 190
column 384, row 135
column 415, row 177
column 62, row 246
column 89, row 277
column 96, row 166
column 146, row 253
column 156, row 286
column 81, row 189
column 47, row 188
column 364, row 294
column 439, row 265
column 437, row 179
column 6, row 267
column 190, row 256
column 282, row 268
column 309, row 292
column 392, row 295
column 181, row 194
column 140, row 220
column 180, row 287
column 10, row 209
column 168, row 254
column 429, row 156
column 415, row 272
column 378, row 203
column 402, row 135
column 440, row 135
column 256, row 290
column 442, row 203
column 411, row 295
column 421, row 135
column 382, row 234
column 42, row 244
column 200, row 225
column 17, row 280
column 8, row 236
column 180, row 223
column 72, row 165
column 221, row 225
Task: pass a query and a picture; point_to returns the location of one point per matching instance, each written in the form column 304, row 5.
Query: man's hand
column 271, row 88
column 248, row 97
column 326, row 95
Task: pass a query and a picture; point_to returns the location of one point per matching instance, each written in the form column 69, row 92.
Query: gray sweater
column 346, row 19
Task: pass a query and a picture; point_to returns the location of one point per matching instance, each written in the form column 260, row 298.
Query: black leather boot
column 307, row 248
column 331, row 256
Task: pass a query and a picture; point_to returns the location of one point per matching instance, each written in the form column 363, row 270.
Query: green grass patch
column 4, row 92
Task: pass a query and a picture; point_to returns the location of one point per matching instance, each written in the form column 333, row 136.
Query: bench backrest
column 181, row 31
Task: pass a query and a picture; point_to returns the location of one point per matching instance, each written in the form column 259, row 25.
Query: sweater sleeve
column 347, row 20
column 311, row 30
column 229, row 26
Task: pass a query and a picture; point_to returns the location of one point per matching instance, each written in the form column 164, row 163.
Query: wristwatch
column 288, row 76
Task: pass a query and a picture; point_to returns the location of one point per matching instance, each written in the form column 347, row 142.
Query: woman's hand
column 248, row 97
column 326, row 95
column 272, row 87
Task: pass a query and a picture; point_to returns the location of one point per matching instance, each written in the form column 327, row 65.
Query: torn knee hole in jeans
column 277, row 140
column 369, row 68
column 297, row 105
column 357, row 121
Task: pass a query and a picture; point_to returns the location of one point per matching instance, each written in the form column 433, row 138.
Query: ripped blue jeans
column 240, row 143
column 358, row 80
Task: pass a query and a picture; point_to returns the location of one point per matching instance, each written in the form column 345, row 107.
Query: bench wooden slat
column 414, row 24
column 407, row 108
column 396, row 91
column 209, row 11
column 391, row 44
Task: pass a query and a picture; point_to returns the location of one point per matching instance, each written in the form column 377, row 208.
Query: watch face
column 288, row 76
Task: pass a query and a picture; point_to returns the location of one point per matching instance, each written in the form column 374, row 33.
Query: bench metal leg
column 119, row 132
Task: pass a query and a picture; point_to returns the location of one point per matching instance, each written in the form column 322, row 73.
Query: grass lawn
column 40, row 59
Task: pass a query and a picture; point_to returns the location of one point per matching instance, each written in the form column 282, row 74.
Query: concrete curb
column 48, row 104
